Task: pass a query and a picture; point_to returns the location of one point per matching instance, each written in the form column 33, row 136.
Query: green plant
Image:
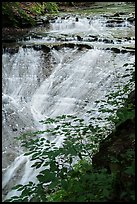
column 20, row 12
column 51, row 7
column 85, row 185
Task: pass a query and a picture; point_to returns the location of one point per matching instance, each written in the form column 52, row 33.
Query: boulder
column 131, row 19
column 79, row 38
column 107, row 41
column 45, row 48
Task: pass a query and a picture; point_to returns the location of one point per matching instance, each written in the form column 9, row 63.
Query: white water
column 35, row 86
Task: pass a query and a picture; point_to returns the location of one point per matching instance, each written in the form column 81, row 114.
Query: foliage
column 8, row 10
column 18, row 13
column 84, row 184
column 51, row 7
column 70, row 3
column 14, row 12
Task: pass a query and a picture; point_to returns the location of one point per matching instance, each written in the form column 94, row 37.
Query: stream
column 60, row 68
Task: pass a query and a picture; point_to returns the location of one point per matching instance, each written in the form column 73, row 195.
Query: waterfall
column 37, row 85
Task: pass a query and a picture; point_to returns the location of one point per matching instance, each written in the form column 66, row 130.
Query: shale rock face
column 115, row 145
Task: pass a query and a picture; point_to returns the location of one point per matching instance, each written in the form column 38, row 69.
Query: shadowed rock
column 116, row 50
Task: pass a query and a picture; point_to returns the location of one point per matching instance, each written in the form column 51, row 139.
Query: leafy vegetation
column 17, row 13
column 66, row 172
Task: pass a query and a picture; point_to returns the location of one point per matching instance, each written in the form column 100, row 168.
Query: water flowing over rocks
column 60, row 68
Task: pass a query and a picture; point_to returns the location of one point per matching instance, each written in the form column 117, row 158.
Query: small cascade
column 75, row 25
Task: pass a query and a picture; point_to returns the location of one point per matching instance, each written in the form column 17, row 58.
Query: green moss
column 18, row 14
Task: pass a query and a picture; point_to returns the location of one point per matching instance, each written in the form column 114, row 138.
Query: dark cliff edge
column 117, row 155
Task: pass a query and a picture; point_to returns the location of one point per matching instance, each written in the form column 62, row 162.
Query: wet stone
column 45, row 48
column 131, row 19
column 116, row 50
column 37, row 47
column 119, row 41
column 128, row 50
column 115, row 21
column 10, row 50
column 15, row 129
column 107, row 41
column 116, row 14
column 79, row 38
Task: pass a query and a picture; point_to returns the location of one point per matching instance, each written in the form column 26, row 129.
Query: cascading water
column 39, row 84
